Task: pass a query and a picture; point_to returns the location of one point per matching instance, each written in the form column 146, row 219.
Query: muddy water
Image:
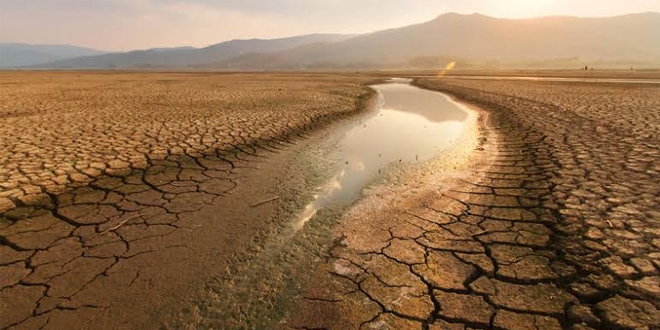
column 409, row 125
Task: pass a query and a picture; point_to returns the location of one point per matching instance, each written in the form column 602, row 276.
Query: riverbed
column 408, row 138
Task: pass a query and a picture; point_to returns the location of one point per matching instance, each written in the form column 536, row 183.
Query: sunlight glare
column 447, row 68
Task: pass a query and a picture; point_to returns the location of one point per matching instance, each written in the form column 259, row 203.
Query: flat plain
column 107, row 181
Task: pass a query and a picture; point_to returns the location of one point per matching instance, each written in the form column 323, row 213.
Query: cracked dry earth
column 557, row 225
column 102, row 176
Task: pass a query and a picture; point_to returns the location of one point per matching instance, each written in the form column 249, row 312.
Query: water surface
column 409, row 125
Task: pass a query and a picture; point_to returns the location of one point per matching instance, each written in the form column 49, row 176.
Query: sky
column 121, row 25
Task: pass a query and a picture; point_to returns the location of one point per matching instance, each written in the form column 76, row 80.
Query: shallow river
column 405, row 129
column 409, row 124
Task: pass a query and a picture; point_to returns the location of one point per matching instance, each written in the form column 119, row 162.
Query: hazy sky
column 137, row 24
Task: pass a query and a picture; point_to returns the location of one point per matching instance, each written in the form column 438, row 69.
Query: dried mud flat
column 596, row 74
column 552, row 223
column 550, row 220
column 62, row 130
column 110, row 182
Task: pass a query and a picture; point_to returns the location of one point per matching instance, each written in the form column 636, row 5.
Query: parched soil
column 119, row 189
column 62, row 130
column 555, row 226
column 122, row 193
column 620, row 74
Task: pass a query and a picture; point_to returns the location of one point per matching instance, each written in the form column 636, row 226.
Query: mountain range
column 19, row 54
column 473, row 41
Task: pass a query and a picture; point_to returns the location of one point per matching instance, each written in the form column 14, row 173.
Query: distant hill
column 477, row 40
column 191, row 57
column 473, row 41
column 19, row 54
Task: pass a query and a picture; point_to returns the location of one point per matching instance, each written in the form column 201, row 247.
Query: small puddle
column 410, row 124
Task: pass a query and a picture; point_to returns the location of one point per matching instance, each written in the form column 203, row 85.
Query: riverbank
column 556, row 226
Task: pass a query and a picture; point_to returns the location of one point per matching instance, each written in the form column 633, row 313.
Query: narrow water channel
column 409, row 124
